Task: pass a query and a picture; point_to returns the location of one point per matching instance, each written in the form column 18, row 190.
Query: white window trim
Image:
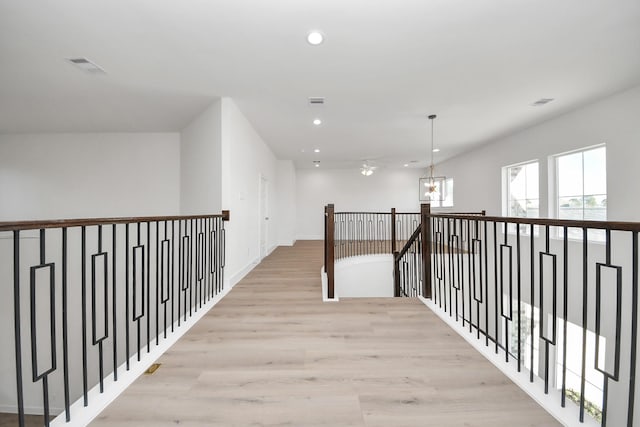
column 505, row 184
column 553, row 189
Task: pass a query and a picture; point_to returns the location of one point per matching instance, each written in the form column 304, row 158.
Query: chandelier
column 432, row 188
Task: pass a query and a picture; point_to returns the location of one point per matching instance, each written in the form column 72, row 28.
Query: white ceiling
column 384, row 66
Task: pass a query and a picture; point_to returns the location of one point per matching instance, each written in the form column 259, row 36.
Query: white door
column 264, row 216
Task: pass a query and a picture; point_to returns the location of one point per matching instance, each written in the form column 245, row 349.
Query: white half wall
column 200, row 163
column 368, row 276
column 614, row 121
column 349, row 190
column 247, row 158
column 85, row 175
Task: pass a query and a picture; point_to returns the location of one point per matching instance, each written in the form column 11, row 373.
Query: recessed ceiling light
column 317, row 150
column 436, row 150
column 406, row 165
column 315, row 38
column 316, row 163
column 317, row 122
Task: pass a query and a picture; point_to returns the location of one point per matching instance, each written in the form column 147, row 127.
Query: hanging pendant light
column 432, row 188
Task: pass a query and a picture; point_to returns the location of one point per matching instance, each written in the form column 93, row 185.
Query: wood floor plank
column 272, row 353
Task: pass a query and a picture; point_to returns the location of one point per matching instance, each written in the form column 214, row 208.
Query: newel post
column 425, row 235
column 329, row 247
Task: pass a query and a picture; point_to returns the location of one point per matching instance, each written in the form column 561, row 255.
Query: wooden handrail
column 407, row 245
column 85, row 222
column 570, row 223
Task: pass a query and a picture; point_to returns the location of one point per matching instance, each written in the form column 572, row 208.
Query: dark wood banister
column 82, row 222
column 407, row 245
column 571, row 223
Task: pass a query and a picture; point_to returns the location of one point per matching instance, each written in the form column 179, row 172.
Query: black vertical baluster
column 519, row 297
column 173, row 275
column 585, row 253
column 543, row 333
column 157, row 282
column 634, row 330
column 197, row 284
column 135, row 292
column 469, row 242
column 506, row 320
column 192, row 241
column 93, row 310
column 205, row 257
column 85, row 386
column 148, row 284
column 126, row 297
column 114, row 305
column 495, row 281
column 486, row 284
column 451, row 267
column 169, row 269
column 443, row 270
column 16, row 325
column 605, row 388
column 565, row 302
column 180, row 268
column 533, row 301
column 460, row 260
column 65, row 337
column 34, row 357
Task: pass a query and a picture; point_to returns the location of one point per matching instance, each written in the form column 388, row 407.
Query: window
column 582, row 184
column 448, row 196
column 522, row 193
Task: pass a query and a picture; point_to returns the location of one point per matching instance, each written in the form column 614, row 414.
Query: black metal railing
column 408, row 267
column 90, row 297
column 350, row 234
column 557, row 299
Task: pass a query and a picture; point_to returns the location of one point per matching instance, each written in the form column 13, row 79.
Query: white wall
column 246, row 158
column 349, row 190
column 614, row 121
column 286, row 202
column 47, row 176
column 368, row 276
column 200, row 163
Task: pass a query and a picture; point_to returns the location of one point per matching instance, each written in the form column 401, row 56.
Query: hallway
column 272, row 354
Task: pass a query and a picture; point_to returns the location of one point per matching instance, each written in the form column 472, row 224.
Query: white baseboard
column 567, row 416
column 238, row 276
column 82, row 416
column 287, row 243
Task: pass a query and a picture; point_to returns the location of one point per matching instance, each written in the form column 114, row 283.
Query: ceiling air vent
column 85, row 65
column 542, row 101
column 316, row 100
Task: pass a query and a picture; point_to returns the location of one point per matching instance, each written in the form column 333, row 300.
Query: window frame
column 506, row 190
column 555, row 184
column 440, row 204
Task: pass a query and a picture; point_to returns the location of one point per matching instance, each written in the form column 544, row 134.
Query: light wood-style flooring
column 272, row 353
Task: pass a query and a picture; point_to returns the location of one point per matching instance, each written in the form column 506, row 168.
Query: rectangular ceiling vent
column 316, row 100
column 542, row 101
column 85, row 65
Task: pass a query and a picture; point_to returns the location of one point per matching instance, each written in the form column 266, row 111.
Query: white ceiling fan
column 368, row 167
